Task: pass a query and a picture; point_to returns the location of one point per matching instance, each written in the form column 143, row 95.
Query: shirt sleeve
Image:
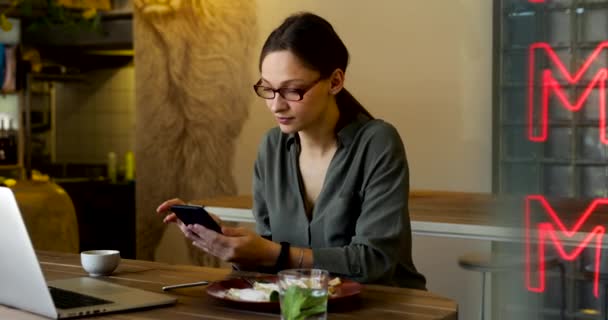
column 260, row 210
column 383, row 226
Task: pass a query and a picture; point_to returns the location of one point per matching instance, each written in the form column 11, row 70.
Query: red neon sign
column 546, row 230
column 554, row 226
column 550, row 85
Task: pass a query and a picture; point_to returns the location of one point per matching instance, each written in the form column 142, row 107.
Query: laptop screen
column 22, row 283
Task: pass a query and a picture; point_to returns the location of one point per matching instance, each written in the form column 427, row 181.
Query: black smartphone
column 193, row 214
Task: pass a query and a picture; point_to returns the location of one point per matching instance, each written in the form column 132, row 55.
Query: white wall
column 424, row 66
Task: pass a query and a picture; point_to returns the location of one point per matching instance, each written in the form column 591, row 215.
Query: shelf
column 58, row 77
column 10, row 166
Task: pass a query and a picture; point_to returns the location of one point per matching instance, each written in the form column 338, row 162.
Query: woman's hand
column 165, row 208
column 237, row 245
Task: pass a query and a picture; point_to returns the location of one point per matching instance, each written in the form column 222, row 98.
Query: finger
column 183, row 228
column 203, row 235
column 217, row 244
column 200, row 246
column 211, row 238
column 192, row 236
column 171, row 217
column 203, row 232
column 166, row 206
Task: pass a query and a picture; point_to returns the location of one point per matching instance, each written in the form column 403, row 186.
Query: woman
column 330, row 182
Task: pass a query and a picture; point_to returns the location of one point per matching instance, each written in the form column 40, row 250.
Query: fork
column 249, row 281
column 185, row 285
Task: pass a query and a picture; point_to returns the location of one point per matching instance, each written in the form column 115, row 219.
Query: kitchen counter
column 450, row 214
column 431, row 213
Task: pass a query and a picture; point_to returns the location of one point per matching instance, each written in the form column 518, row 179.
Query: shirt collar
column 346, row 134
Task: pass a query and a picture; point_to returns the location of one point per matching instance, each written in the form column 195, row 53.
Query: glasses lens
column 264, row 92
column 291, row 94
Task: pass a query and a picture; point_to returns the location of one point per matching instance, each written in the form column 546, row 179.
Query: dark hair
column 317, row 45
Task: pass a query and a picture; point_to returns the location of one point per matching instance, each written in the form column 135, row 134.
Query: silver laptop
column 22, row 284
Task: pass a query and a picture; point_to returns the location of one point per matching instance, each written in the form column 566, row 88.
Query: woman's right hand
column 165, row 208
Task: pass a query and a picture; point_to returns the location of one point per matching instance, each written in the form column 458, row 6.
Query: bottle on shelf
column 112, row 174
column 129, row 166
column 12, row 154
column 3, row 144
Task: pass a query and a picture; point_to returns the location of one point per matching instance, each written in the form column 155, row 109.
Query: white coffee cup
column 100, row 262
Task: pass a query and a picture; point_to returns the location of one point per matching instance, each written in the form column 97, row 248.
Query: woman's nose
column 277, row 104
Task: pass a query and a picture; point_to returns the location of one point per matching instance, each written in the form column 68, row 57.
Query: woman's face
column 282, row 69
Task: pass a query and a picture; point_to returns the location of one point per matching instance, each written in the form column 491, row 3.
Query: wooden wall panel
column 193, row 89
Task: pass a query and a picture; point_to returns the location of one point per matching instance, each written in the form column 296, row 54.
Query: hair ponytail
column 349, row 106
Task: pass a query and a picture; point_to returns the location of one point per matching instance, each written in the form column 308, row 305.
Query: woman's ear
column 336, row 81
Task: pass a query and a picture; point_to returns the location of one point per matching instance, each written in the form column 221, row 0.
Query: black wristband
column 283, row 259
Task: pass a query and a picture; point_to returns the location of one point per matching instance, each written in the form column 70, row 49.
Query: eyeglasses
column 289, row 94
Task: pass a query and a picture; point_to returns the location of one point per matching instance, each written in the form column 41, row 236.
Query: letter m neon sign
column 550, row 85
column 546, row 230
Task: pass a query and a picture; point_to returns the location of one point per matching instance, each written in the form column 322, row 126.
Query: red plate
column 348, row 289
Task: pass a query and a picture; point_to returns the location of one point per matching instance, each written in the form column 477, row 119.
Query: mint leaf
column 299, row 303
column 312, row 300
column 274, row 296
column 320, row 308
column 292, row 302
column 313, row 304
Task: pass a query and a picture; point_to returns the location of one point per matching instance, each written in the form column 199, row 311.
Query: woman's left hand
column 237, row 245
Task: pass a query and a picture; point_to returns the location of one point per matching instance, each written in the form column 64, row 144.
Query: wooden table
column 375, row 302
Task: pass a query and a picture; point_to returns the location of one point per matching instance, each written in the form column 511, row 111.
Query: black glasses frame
column 283, row 91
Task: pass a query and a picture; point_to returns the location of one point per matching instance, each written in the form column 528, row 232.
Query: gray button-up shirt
column 360, row 226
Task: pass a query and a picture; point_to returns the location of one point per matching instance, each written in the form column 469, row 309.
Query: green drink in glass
column 303, row 294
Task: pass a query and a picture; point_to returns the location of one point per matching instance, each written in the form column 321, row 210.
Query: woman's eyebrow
column 284, row 83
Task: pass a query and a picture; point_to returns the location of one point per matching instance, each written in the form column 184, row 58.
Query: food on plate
column 260, row 292
column 247, row 295
column 269, row 292
column 333, row 283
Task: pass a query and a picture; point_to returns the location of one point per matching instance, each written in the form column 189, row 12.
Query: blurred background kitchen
column 69, row 115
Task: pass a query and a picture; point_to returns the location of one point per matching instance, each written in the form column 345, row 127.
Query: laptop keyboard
column 65, row 299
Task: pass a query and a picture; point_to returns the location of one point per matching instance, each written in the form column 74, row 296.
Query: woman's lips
column 284, row 120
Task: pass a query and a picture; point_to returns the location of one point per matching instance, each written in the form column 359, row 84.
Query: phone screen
column 191, row 214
